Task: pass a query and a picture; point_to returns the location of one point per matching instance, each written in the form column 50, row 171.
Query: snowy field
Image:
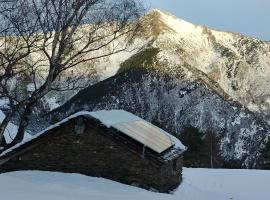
column 199, row 184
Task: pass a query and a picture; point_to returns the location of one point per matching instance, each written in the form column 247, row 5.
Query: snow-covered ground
column 198, row 184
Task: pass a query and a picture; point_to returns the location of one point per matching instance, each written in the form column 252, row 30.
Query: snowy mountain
column 175, row 102
column 188, row 75
column 238, row 66
column 184, row 75
column 235, row 66
column 198, row 184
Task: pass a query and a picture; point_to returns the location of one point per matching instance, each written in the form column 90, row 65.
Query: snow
column 178, row 25
column 106, row 117
column 52, row 102
column 112, row 117
column 225, row 184
column 245, row 66
column 109, row 67
column 198, row 184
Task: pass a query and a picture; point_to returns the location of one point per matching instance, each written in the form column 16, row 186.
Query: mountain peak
column 155, row 10
column 160, row 13
column 158, row 22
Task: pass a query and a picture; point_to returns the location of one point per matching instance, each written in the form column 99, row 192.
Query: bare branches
column 42, row 40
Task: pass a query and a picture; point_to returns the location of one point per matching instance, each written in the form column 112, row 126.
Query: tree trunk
column 211, row 150
column 3, row 127
column 24, row 119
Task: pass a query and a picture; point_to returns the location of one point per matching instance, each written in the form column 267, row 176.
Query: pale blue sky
column 249, row 17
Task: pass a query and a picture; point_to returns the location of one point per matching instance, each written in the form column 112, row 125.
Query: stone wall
column 93, row 153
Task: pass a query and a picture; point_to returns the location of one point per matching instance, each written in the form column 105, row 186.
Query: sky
column 249, row 17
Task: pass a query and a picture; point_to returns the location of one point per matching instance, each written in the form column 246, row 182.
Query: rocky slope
column 189, row 75
column 238, row 65
column 175, row 101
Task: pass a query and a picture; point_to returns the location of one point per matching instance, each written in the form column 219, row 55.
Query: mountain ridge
column 189, row 75
column 173, row 104
column 160, row 12
column 228, row 59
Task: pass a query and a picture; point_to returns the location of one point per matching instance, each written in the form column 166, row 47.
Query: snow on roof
column 106, row 117
column 112, row 117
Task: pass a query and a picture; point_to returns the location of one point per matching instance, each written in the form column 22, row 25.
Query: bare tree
column 44, row 39
column 211, row 137
column 211, row 142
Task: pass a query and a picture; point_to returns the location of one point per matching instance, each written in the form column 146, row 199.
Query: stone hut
column 113, row 144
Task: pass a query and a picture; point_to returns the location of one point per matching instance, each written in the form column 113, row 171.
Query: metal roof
column 146, row 133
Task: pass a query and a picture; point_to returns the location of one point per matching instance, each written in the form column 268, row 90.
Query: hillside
column 176, row 102
column 191, row 76
column 238, row 65
column 235, row 66
column 208, row 88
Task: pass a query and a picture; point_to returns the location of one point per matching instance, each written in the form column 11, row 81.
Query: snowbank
column 199, row 184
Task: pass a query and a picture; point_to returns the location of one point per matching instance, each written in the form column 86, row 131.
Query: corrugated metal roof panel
column 145, row 133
